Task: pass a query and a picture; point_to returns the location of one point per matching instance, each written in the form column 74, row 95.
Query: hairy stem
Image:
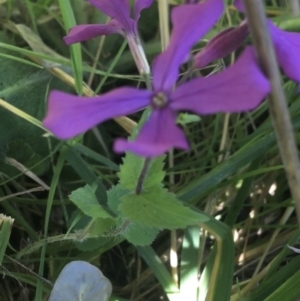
column 277, row 102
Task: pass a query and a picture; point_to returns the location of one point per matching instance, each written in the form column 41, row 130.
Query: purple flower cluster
column 240, row 87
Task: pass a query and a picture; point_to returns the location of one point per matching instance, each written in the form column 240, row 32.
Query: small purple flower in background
column 241, row 87
column 121, row 23
column 286, row 45
column 224, row 43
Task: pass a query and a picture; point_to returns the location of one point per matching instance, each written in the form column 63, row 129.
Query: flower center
column 159, row 100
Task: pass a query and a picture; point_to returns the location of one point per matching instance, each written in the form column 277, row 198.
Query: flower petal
column 69, row 115
column 190, row 23
column 84, row 32
column 139, row 6
column 221, row 45
column 239, row 88
column 287, row 48
column 158, row 135
column 117, row 9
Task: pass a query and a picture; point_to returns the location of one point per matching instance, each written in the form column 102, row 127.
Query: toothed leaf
column 131, row 169
column 85, row 199
column 158, row 208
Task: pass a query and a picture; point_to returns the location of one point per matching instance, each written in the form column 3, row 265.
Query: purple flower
column 121, row 23
column 241, row 87
column 286, row 45
column 287, row 49
column 224, row 43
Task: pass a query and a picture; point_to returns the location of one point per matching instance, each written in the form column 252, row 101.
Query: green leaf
column 216, row 279
column 99, row 226
column 29, row 157
column 131, row 169
column 26, row 88
column 275, row 282
column 95, row 156
column 85, row 199
column 160, row 271
column 114, row 197
column 206, row 183
column 158, row 208
column 189, row 264
column 87, row 226
column 139, row 235
column 135, row 233
column 69, row 21
column 85, row 171
column 91, row 244
column 185, row 118
column 288, row 291
column 102, row 225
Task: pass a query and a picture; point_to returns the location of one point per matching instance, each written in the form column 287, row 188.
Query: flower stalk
column 142, row 177
column 278, row 108
column 139, row 56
